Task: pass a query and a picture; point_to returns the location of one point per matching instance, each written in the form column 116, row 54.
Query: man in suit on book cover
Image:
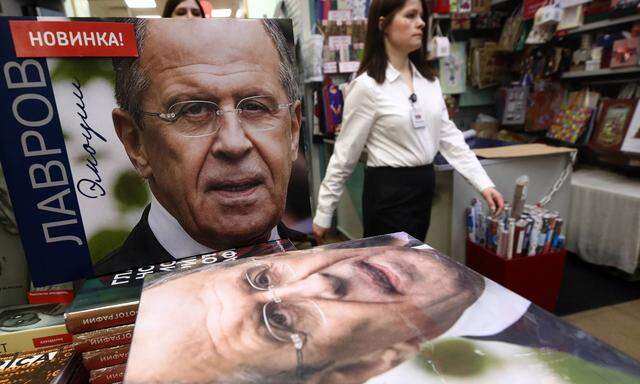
column 209, row 115
column 351, row 313
column 316, row 316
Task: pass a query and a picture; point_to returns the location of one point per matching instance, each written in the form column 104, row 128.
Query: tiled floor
column 617, row 325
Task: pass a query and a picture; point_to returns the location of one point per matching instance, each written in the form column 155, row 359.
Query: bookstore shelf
column 600, row 25
column 442, row 16
column 600, row 72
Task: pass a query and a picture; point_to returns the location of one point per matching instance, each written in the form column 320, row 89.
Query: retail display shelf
column 599, row 25
column 600, row 72
column 447, row 16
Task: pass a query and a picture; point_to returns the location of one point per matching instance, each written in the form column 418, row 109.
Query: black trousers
column 397, row 199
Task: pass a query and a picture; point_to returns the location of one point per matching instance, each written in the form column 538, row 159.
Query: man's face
column 348, row 303
column 228, row 188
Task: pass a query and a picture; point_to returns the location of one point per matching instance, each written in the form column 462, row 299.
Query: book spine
column 26, row 340
column 511, row 238
column 100, row 318
column 109, row 375
column 103, row 338
column 103, row 358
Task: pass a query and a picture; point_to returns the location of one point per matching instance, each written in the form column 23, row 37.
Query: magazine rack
column 537, row 278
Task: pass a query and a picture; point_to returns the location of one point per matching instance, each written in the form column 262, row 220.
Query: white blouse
column 378, row 117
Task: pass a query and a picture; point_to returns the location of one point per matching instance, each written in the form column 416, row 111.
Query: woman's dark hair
column 172, row 4
column 375, row 59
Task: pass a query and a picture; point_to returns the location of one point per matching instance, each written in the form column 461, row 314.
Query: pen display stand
column 537, row 278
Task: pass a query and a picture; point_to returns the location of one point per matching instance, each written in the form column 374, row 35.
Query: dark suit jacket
column 142, row 248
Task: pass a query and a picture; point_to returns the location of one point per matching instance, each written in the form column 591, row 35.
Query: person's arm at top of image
column 359, row 115
column 454, row 148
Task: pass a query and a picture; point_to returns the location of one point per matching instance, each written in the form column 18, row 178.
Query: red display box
column 537, row 278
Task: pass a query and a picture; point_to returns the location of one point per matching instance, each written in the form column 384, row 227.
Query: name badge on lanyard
column 416, row 116
column 417, row 119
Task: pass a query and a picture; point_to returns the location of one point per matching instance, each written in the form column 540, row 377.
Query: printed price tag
column 348, row 66
column 340, row 15
column 337, row 42
column 330, row 67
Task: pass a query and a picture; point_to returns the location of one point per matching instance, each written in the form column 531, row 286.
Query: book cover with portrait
column 131, row 142
column 379, row 310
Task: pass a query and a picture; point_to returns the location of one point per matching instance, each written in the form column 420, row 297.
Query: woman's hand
column 319, row 233
column 494, row 200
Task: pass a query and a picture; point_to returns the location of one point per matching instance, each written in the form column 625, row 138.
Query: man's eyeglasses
column 275, row 314
column 195, row 118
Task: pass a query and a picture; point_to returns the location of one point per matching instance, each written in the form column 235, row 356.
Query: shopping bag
column 544, row 24
column 439, row 45
column 511, row 32
column 453, row 71
column 572, row 119
column 544, row 104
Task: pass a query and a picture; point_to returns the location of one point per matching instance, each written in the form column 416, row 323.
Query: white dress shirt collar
column 173, row 238
column 391, row 74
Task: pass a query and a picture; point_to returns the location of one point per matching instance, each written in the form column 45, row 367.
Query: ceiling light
column 223, row 12
column 140, row 3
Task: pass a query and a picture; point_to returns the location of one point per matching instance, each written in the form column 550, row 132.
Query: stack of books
column 534, row 231
column 31, row 326
column 102, row 316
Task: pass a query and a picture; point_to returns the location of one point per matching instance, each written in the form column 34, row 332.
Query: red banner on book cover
column 45, row 297
column 48, row 341
column 73, row 39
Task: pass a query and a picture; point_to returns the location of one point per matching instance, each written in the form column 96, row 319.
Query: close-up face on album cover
column 125, row 139
column 373, row 310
